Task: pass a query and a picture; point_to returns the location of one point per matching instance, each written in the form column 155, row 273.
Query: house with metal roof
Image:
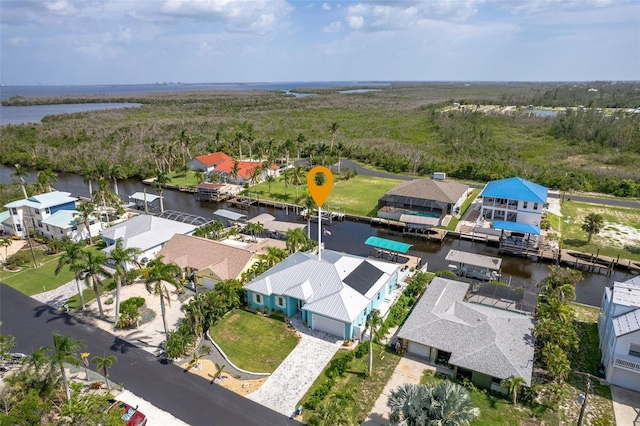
column 68, row 223
column 423, row 202
column 207, row 262
column 207, row 163
column 514, row 204
column 27, row 214
column 478, row 342
column 333, row 295
column 145, row 232
column 619, row 329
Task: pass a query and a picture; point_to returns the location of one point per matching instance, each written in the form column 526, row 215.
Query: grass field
column 32, row 280
column 620, row 236
column 254, row 342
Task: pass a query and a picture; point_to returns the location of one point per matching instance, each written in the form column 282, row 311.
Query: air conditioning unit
column 439, row 176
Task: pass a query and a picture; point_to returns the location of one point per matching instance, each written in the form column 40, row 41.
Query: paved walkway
column 291, row 380
column 626, row 405
column 408, row 370
column 59, row 296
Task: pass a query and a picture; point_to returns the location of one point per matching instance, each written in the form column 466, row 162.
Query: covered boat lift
column 390, row 247
column 474, row 265
column 518, row 238
column 229, row 218
column 142, row 200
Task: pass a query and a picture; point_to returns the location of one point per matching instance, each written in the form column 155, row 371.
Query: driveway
column 293, row 378
column 408, row 370
column 626, row 405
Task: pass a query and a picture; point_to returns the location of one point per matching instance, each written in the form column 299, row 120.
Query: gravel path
column 59, row 296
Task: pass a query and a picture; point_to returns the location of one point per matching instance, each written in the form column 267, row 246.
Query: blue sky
column 128, row 42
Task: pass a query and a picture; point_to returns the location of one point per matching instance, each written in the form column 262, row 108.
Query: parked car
column 130, row 415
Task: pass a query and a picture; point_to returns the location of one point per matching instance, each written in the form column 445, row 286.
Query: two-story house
column 207, row 163
column 334, row 295
column 29, row 214
column 619, row 329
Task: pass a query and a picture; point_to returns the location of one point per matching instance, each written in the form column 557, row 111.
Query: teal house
column 334, row 295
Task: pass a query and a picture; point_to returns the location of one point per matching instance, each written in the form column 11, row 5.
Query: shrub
column 19, row 259
column 108, row 300
column 361, row 351
column 132, row 301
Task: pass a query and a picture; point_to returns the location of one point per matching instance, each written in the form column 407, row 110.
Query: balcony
column 630, row 363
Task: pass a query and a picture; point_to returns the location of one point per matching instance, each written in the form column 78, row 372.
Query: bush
column 108, row 300
column 19, row 259
column 362, row 350
column 132, row 301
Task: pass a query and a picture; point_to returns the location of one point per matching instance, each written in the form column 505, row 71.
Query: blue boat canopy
column 383, row 243
column 517, row 227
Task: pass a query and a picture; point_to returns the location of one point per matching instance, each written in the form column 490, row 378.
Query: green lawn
column 620, row 236
column 365, row 389
column 453, row 223
column 182, row 179
column 254, row 342
column 32, row 280
column 358, row 195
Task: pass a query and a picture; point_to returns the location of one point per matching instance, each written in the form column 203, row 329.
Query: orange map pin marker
column 319, row 193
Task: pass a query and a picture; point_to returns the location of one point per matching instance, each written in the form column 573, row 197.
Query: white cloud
column 17, row 41
column 326, row 6
column 334, row 27
column 355, row 22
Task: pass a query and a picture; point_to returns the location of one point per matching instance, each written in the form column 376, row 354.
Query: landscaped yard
column 619, row 236
column 182, row 179
column 254, row 342
column 355, row 382
column 32, row 280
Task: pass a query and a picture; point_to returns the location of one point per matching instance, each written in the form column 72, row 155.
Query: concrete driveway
column 295, row 375
column 626, row 405
column 408, row 370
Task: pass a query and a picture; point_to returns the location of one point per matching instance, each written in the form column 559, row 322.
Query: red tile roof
column 245, row 168
column 213, row 159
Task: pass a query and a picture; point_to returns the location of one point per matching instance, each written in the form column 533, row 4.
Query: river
column 350, row 236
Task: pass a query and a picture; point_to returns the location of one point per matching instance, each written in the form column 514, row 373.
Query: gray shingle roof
column 429, row 189
column 488, row 340
column 321, row 283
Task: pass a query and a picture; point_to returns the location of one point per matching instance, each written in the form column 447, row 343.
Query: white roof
column 320, row 283
column 271, row 224
column 627, row 323
column 41, row 201
column 480, row 260
column 420, row 220
column 627, row 293
column 145, row 231
column 141, row 196
column 228, row 214
column 64, row 219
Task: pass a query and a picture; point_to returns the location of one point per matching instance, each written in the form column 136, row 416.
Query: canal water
column 349, row 237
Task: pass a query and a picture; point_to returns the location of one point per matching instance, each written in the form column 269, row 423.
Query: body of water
column 541, row 112
column 350, row 236
column 35, row 113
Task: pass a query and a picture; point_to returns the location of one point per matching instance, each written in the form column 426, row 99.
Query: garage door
column 208, row 282
column 328, row 325
column 626, row 379
column 418, row 349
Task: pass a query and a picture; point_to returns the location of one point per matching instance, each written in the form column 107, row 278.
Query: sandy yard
column 208, row 370
column 621, row 235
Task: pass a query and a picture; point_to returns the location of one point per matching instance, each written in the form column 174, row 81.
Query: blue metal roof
column 515, row 188
column 383, row 243
column 517, row 227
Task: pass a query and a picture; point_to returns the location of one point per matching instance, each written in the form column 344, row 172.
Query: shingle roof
column 429, row 189
column 321, row 283
column 227, row 262
column 41, row 201
column 515, row 188
column 491, row 341
column 214, row 158
column 145, row 231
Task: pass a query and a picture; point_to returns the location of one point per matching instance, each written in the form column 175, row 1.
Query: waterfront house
column 205, row 261
column 69, row 223
column 246, row 169
column 480, row 343
column 619, row 329
column 514, row 204
column 6, row 226
column 28, row 214
column 423, row 202
column 334, row 295
column 207, row 163
column 145, row 232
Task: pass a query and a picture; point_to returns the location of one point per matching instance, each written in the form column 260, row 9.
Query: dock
column 242, row 202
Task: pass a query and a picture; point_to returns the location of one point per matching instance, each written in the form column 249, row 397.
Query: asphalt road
column 186, row 396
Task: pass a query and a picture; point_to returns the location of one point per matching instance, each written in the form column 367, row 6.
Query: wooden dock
column 433, row 234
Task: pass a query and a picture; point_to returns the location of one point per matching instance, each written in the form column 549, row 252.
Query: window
column 378, row 296
column 14, row 210
column 39, row 224
column 535, row 206
column 73, row 228
column 280, row 302
column 47, row 228
column 634, row 350
column 47, row 210
column 257, row 298
column 91, row 222
column 524, row 204
column 18, row 227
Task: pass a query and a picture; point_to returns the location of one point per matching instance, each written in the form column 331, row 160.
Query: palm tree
column 85, row 210
column 443, row 404
column 286, row 178
column 270, row 179
column 154, row 275
column 275, row 255
column 238, row 139
column 593, row 224
column 323, row 149
column 121, row 257
column 199, row 176
column 373, row 323
column 334, row 129
column 21, row 173
column 298, row 177
column 332, row 412
column 233, row 174
column 104, row 363
column 161, row 180
column 310, row 207
column 220, row 368
column 64, row 347
column 94, row 271
column 300, row 140
column 73, row 258
column 6, row 243
column 339, row 148
column 216, row 228
column 295, row 239
column 256, row 229
column 116, row 173
column 513, row 385
column 89, row 175
column 45, row 179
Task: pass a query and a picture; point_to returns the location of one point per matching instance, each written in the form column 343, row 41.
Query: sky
column 61, row 42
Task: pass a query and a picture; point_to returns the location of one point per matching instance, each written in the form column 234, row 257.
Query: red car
column 130, row 415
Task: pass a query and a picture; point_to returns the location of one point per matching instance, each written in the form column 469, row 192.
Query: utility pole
column 582, row 398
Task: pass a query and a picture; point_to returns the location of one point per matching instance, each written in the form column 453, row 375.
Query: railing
column 627, row 363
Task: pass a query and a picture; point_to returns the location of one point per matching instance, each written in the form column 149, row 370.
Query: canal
column 349, row 237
